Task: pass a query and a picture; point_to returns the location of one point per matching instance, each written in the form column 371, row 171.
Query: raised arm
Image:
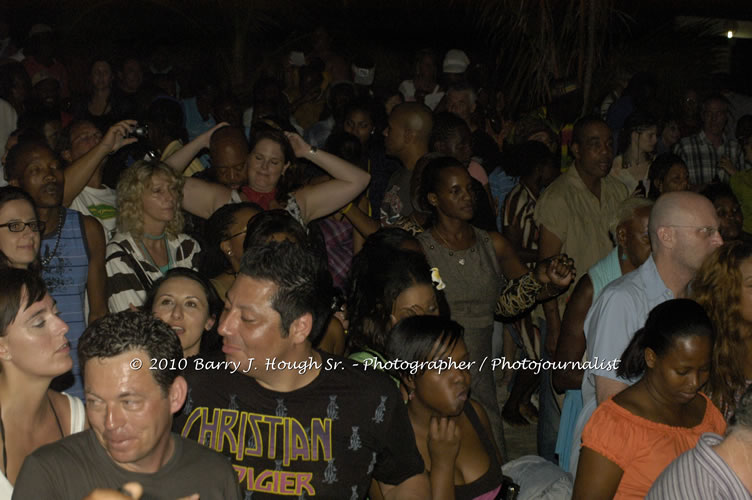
column 180, row 159
column 202, row 198
column 319, row 200
column 78, row 173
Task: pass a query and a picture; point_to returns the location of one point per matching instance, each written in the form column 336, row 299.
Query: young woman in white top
column 33, row 351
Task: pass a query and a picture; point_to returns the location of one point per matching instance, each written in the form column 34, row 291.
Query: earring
column 411, row 394
column 623, row 256
column 229, row 252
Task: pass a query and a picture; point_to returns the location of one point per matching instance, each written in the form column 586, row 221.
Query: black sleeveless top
column 487, row 486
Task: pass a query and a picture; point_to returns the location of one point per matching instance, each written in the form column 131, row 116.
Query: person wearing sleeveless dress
column 33, row 348
column 472, row 263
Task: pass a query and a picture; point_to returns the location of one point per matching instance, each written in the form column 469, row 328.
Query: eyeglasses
column 706, row 231
column 236, row 234
column 17, row 226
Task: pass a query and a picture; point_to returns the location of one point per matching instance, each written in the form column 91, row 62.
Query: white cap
column 455, row 61
column 363, row 76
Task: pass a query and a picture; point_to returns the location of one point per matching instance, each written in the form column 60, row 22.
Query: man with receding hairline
column 683, row 230
column 228, row 150
column 406, row 138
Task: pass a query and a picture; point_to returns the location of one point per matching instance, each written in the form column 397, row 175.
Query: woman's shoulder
column 120, row 241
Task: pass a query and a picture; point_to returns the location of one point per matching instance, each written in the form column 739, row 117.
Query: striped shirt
column 66, row 276
column 519, row 209
column 699, row 474
column 702, row 157
column 130, row 273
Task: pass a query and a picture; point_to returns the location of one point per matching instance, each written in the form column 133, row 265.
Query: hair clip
column 436, row 278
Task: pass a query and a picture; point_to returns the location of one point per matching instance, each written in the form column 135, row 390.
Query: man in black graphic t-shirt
column 295, row 421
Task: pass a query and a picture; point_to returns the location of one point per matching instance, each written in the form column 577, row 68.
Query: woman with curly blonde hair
column 723, row 286
column 149, row 240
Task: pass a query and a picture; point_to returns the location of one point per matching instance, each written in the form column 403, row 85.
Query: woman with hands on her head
column 271, row 182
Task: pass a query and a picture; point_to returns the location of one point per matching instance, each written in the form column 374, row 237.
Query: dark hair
column 12, row 162
column 15, row 282
column 302, row 279
column 713, row 97
column 378, row 275
column 715, row 191
column 528, row 156
column 530, row 125
column 11, row 71
column 64, row 141
column 743, row 129
column 270, row 222
column 638, row 122
column 580, row 125
column 12, row 193
column 420, row 338
column 668, row 321
column 432, row 177
column 659, row 169
column 346, row 146
column 210, row 340
column 166, row 115
column 445, row 124
column 213, row 260
column 290, row 179
column 126, row 331
column 388, row 237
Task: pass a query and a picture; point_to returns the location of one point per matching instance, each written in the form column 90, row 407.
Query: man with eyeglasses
column 683, row 230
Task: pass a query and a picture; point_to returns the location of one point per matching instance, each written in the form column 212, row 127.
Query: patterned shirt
column 702, row 157
column 130, row 273
column 698, row 474
column 520, row 205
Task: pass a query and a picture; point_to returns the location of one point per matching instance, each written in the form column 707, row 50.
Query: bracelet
column 313, row 150
column 346, row 209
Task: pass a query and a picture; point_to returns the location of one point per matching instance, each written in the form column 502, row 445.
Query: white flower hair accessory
column 436, row 278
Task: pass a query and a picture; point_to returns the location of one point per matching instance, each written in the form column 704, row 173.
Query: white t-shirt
column 101, row 204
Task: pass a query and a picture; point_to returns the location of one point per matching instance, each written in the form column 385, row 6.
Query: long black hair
column 667, row 322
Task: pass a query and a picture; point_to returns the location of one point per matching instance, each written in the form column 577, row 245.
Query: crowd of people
column 304, row 296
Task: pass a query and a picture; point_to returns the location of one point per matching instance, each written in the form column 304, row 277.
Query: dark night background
column 202, row 36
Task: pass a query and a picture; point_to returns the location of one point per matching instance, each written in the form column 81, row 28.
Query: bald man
column 406, row 138
column 683, row 230
column 228, row 151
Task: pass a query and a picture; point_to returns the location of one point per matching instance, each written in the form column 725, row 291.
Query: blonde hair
column 130, row 191
column 625, row 211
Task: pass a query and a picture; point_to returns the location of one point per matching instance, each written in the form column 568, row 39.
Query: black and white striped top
column 130, row 273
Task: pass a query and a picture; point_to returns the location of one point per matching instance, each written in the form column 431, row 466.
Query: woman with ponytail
column 633, row 436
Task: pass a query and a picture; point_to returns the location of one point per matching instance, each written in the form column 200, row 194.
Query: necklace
column 460, row 260
column 46, row 260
